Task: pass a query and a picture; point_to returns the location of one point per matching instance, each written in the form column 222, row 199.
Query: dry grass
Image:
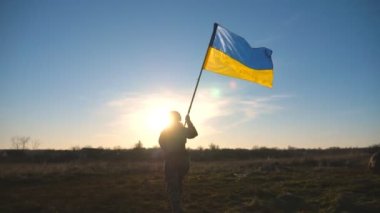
column 327, row 184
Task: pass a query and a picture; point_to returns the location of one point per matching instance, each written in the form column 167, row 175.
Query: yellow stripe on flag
column 219, row 62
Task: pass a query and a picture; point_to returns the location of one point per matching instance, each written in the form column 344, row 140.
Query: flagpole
column 201, row 71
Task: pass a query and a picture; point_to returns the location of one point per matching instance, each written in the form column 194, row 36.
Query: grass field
column 328, row 184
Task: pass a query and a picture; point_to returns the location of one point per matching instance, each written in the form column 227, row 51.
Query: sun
column 157, row 119
column 153, row 116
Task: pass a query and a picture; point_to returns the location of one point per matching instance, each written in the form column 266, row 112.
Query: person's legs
column 173, row 188
column 183, row 170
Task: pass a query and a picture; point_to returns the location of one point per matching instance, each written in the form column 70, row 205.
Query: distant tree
column 35, row 144
column 334, row 148
column 200, row 148
column 375, row 146
column 213, row 146
column 139, row 145
column 75, row 148
column 20, row 142
column 117, row 148
column 255, row 147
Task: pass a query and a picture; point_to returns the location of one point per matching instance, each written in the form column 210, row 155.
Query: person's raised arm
column 191, row 131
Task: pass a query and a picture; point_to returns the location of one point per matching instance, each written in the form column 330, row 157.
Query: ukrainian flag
column 231, row 55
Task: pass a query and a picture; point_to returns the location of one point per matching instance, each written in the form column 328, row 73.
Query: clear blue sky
column 77, row 73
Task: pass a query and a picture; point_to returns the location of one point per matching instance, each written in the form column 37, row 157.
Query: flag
column 231, row 55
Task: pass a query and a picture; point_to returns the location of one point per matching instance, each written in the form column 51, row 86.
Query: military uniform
column 172, row 140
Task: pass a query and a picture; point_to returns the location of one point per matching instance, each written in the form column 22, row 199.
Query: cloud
column 210, row 113
column 242, row 110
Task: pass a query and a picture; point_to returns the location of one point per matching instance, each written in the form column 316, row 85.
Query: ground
column 266, row 185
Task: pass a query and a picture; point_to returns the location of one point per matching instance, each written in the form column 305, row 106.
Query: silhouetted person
column 172, row 140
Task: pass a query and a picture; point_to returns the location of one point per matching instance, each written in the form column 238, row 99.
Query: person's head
column 174, row 117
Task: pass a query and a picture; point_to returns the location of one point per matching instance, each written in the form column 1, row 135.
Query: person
column 173, row 143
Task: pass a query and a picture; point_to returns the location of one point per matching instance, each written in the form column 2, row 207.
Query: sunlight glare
column 157, row 118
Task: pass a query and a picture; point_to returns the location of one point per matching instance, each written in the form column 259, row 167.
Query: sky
column 106, row 73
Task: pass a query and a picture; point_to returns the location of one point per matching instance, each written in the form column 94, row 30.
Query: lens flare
column 232, row 84
column 215, row 92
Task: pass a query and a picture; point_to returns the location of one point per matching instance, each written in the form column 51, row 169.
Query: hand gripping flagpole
column 203, row 64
